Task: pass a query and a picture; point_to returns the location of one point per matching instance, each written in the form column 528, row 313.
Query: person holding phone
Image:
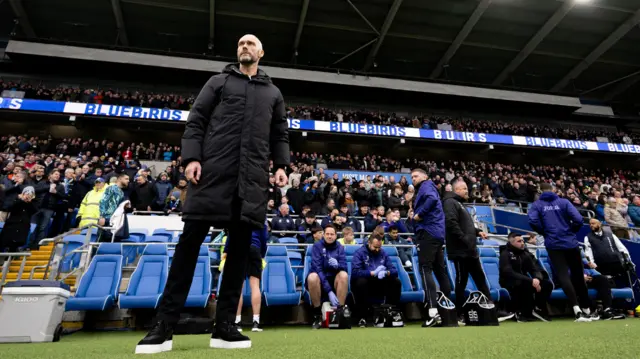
column 18, row 225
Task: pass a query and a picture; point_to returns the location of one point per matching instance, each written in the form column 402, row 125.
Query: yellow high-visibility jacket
column 90, row 207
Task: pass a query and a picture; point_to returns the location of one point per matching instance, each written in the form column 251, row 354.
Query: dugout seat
column 148, row 280
column 98, row 289
column 71, row 243
column 543, row 259
column 407, row 293
column 491, row 267
column 200, row 290
column 278, row 280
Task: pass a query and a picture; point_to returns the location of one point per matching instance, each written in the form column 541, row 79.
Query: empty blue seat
column 451, row 269
column 246, row 291
column 295, row 259
column 490, row 242
column 99, row 286
column 491, row 267
column 71, row 243
column 543, row 260
column 305, row 274
column 200, row 290
column 148, row 280
column 407, row 293
column 157, row 239
column 278, row 279
column 164, row 233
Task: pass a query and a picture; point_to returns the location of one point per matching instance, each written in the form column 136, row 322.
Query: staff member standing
column 428, row 223
column 236, row 125
column 558, row 221
column 461, row 242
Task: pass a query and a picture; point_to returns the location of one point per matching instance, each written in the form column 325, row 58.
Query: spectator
column 283, row 222
column 604, row 250
column 17, row 227
column 307, row 225
column 397, row 200
column 316, row 235
column 350, row 221
column 12, row 187
column 330, row 207
column 144, row 194
column 347, row 237
column 173, row 204
column 295, row 195
column 377, row 195
column 68, row 203
column 328, row 274
column 89, row 212
column 612, row 216
column 373, row 276
column 634, row 211
column 520, row 275
column 51, row 195
column 112, row 198
column 163, row 188
column 392, row 219
column 392, row 238
column 373, row 219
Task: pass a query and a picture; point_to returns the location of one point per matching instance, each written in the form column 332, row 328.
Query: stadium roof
column 572, row 46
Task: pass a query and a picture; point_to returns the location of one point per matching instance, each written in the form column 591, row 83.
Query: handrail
column 7, row 264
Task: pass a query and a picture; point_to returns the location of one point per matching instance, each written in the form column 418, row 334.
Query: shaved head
column 249, row 50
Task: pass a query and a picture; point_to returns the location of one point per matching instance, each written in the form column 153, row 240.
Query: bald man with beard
column 236, row 126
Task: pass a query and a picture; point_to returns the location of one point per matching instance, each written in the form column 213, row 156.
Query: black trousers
column 365, row 288
column 568, row 268
column 184, row 265
column 524, row 296
column 431, row 261
column 465, row 267
column 601, row 284
column 611, row 268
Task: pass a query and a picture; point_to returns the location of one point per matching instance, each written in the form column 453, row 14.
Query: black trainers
column 520, row 318
column 582, row 318
column 362, row 323
column 502, row 315
column 256, row 327
column 540, row 315
column 432, row 322
column 317, row 322
column 227, row 336
column 158, row 340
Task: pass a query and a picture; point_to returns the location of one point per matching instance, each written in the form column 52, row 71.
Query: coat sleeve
column 535, row 220
column 358, row 269
column 574, row 216
column 279, row 137
column 425, row 203
column 588, row 252
column 198, row 121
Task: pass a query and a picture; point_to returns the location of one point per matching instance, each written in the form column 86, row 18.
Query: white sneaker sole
column 221, row 344
column 507, row 317
column 155, row 349
column 256, row 329
column 583, row 320
column 539, row 317
column 397, row 324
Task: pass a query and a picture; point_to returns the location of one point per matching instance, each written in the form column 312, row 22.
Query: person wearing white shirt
column 604, row 250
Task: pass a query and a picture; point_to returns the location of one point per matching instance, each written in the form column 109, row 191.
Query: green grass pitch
column 558, row 339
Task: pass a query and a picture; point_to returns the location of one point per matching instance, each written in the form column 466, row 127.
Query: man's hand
column 149, row 208
column 70, row 210
column 193, row 172
column 333, row 263
column 378, row 270
column 333, row 299
column 382, row 274
column 587, row 278
column 101, row 221
column 417, row 218
column 536, row 284
column 483, row 235
column 592, row 265
column 281, row 178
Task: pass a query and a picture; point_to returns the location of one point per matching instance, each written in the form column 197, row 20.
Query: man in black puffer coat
column 461, row 236
column 236, row 125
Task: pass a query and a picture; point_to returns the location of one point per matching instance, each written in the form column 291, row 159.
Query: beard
column 247, row 59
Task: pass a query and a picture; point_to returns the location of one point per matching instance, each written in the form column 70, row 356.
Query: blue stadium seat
column 305, row 274
column 200, row 290
column 407, row 293
column 148, row 280
column 246, row 291
column 278, row 279
column 484, row 214
column 295, row 259
column 142, row 233
column 71, row 243
column 94, row 230
column 451, row 269
column 163, row 232
column 491, row 266
column 543, row 259
column 157, row 239
column 491, row 242
column 100, row 284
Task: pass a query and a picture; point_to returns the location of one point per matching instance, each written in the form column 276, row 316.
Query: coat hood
column 548, row 196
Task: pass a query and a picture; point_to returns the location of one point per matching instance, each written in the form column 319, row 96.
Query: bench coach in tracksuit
column 558, row 221
column 373, row 275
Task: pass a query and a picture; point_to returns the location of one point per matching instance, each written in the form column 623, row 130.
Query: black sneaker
column 502, row 315
column 317, row 322
column 256, row 327
column 582, row 318
column 158, row 340
column 520, row 318
column 362, row 323
column 432, row 322
column 539, row 315
column 227, row 336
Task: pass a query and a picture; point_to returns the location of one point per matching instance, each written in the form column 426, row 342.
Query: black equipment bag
column 387, row 316
column 340, row 318
column 447, row 311
column 479, row 310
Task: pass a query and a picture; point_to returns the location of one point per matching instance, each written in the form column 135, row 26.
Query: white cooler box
column 31, row 311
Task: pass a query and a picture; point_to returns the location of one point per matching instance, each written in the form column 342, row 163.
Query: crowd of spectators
column 429, row 121
column 607, row 194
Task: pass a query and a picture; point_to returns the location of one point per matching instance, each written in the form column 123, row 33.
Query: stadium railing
column 8, row 257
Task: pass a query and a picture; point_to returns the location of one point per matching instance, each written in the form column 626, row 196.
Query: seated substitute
column 527, row 287
column 600, row 283
column 328, row 276
column 373, row 276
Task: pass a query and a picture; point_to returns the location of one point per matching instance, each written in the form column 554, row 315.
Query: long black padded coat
column 235, row 126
